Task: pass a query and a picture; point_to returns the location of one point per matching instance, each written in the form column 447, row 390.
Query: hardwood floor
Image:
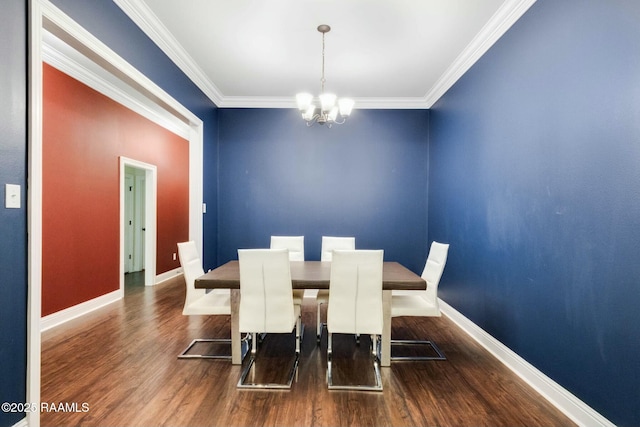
column 121, row 361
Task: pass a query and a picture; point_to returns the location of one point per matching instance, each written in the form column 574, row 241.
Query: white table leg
column 386, row 329
column 236, row 344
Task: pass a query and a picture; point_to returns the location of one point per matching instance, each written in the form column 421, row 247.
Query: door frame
column 150, row 202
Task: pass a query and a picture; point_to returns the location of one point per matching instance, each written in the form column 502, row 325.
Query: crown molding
column 406, row 103
column 77, row 37
column 289, row 102
column 149, row 23
column 79, row 67
column 499, row 23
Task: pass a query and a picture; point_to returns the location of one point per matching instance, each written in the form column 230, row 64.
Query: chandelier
column 327, row 112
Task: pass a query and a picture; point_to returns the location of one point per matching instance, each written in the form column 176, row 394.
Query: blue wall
column 535, row 183
column 533, row 179
column 13, row 222
column 366, row 178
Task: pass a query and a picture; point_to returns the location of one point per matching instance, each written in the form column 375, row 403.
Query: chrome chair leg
column 439, row 353
column 375, row 353
column 185, row 355
column 245, row 345
column 329, row 356
column 245, row 348
column 299, row 334
column 261, row 337
column 319, row 324
column 243, row 383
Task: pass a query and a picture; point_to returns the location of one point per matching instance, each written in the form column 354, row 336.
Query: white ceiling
column 383, row 53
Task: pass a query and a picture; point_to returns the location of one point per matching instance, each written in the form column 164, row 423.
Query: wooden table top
column 312, row 275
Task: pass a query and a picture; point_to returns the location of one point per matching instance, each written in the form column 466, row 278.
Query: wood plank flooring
column 122, row 362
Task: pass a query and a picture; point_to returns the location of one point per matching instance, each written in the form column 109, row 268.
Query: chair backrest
column 192, row 269
column 355, row 292
column 266, row 297
column 330, row 243
column 295, row 244
column 434, row 267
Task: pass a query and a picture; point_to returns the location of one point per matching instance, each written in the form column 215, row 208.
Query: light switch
column 12, row 196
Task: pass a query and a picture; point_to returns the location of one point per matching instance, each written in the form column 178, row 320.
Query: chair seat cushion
column 407, row 304
column 218, row 301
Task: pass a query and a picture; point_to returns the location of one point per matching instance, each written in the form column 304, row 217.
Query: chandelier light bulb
column 304, row 100
column 309, row 113
column 327, row 101
column 333, row 114
column 345, row 105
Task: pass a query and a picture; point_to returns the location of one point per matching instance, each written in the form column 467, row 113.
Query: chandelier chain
column 322, row 80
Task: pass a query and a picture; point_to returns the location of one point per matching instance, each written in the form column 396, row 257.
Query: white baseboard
column 564, row 400
column 163, row 277
column 62, row 316
column 22, row 423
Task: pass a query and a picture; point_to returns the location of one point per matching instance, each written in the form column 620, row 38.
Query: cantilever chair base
column 357, row 387
column 375, row 351
column 245, row 348
column 440, row 354
column 245, row 372
column 185, row 355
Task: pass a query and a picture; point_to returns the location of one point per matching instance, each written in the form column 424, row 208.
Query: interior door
column 138, row 221
column 128, row 222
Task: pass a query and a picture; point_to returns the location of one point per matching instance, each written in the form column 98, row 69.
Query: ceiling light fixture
column 328, row 111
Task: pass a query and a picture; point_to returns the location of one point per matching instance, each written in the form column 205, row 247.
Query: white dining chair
column 266, row 304
column 329, row 244
column 199, row 302
column 295, row 246
column 422, row 303
column 355, row 306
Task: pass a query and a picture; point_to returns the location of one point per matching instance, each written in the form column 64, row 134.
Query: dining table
column 311, row 275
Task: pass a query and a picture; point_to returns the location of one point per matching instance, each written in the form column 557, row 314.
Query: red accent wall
column 84, row 134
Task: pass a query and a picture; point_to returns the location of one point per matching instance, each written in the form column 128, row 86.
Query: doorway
column 138, row 189
column 134, row 225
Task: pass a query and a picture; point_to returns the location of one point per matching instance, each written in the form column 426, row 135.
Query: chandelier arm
column 313, row 120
